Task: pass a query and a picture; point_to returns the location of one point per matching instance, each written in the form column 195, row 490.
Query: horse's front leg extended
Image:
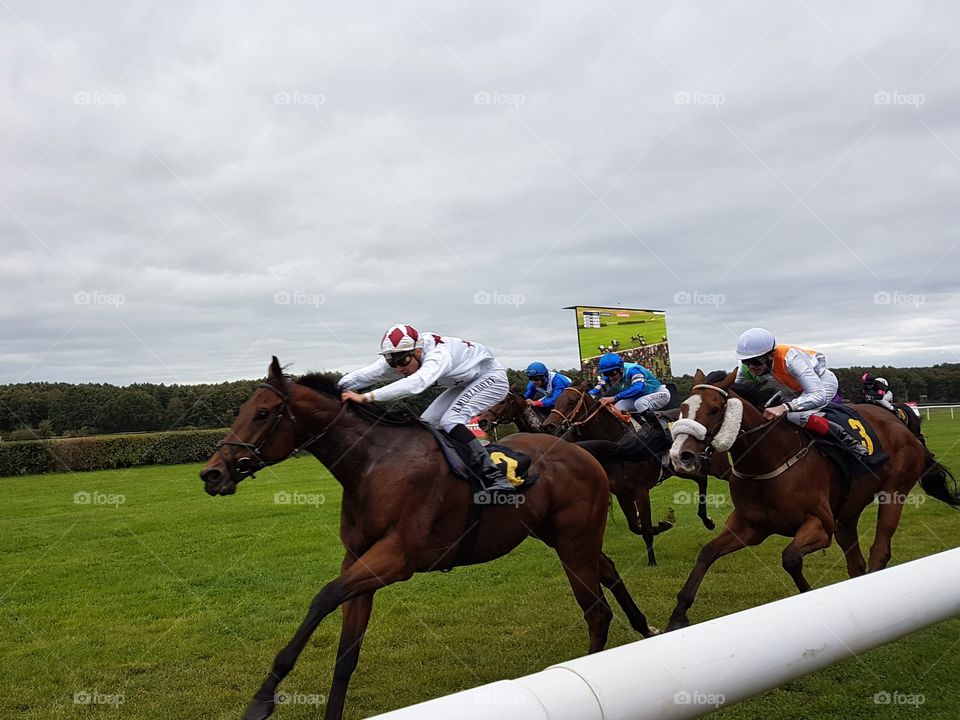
column 735, row 535
column 382, row 565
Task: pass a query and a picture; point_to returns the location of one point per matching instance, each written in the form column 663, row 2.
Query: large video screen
column 636, row 335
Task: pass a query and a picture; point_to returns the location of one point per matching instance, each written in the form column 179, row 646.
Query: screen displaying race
column 636, row 335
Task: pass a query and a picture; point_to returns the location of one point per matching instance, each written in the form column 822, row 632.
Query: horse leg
column 849, row 542
column 611, row 580
column 356, row 615
column 736, row 534
column 579, row 556
column 381, row 565
column 641, row 501
column 888, row 518
column 707, row 521
column 811, row 536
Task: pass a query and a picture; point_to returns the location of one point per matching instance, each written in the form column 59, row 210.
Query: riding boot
column 847, row 440
column 489, row 474
column 652, row 419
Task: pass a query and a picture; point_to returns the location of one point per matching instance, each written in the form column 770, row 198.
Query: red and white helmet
column 400, row 338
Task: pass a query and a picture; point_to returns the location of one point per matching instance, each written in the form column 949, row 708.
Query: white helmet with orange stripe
column 400, row 339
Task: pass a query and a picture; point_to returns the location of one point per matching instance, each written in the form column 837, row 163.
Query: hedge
column 31, row 457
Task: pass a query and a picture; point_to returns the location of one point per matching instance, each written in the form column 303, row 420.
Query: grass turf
column 150, row 592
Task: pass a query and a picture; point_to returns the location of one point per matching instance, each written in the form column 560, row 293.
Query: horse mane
column 325, row 384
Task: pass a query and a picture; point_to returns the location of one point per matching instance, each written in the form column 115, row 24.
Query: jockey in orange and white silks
column 801, row 376
column 474, row 380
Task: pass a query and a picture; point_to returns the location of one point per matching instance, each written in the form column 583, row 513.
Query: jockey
column 801, row 376
column 884, row 396
column 876, row 391
column 544, row 387
column 473, row 378
column 631, row 386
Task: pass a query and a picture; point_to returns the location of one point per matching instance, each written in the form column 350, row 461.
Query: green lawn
column 176, row 602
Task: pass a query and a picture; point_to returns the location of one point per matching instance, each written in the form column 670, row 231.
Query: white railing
column 690, row 672
column 928, row 408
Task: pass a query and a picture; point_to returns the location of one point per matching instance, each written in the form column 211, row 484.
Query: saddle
column 854, row 423
column 515, row 465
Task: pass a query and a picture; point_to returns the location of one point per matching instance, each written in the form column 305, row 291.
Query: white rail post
column 690, row 672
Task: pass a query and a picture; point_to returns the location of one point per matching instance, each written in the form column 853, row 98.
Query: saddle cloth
column 854, row 423
column 515, row 465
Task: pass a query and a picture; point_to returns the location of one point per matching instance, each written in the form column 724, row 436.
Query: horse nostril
column 211, row 475
column 687, row 458
column 484, row 424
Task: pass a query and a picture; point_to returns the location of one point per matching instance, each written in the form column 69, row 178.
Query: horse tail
column 939, row 483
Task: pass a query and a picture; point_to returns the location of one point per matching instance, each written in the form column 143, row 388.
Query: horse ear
column 275, row 372
column 728, row 380
column 698, row 377
column 513, row 387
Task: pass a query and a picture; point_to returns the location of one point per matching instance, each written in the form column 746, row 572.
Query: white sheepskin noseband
column 730, row 428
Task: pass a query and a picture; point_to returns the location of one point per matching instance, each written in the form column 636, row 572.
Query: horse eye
column 714, row 411
column 261, row 414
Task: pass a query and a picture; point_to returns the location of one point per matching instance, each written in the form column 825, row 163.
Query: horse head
column 570, row 407
column 709, row 420
column 505, row 411
column 264, row 433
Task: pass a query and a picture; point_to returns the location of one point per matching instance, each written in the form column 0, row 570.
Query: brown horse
column 512, row 409
column 780, row 487
column 404, row 512
column 579, row 413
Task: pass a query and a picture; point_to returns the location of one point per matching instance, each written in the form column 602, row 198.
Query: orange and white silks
column 780, row 372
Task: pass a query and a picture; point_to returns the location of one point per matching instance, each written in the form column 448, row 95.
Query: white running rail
column 689, row 672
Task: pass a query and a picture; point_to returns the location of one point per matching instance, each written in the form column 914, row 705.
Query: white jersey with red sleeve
column 446, row 361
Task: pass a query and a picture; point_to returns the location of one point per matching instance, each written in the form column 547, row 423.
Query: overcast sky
column 187, row 188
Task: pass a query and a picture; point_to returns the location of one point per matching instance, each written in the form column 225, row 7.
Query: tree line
column 30, row 410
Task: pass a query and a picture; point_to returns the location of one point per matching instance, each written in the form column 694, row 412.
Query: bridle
column 566, row 422
column 710, row 437
column 248, row 465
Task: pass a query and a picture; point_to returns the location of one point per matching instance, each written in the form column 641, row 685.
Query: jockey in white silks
column 474, row 380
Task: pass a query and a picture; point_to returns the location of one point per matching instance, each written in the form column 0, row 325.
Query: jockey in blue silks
column 631, row 386
column 544, row 387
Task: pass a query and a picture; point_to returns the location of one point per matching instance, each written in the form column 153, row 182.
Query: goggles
column 399, row 359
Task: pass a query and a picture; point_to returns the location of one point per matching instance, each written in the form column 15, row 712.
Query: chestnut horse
column 512, row 409
column 779, row 487
column 579, row 413
column 404, row 512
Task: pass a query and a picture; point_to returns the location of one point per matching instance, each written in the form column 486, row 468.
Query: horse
column 778, row 487
column 904, row 413
column 579, row 412
column 405, row 512
column 512, row 409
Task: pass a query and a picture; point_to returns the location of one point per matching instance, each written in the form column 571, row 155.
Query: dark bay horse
column 404, row 512
column 512, row 409
column 782, row 486
column 578, row 412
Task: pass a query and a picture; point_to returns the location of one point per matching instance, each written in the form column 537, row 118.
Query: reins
column 779, row 470
column 247, row 466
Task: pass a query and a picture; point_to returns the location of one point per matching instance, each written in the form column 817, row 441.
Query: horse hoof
column 709, row 524
column 677, row 624
column 259, row 710
column 651, row 631
column 663, row 527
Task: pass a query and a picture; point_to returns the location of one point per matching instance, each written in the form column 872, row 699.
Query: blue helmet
column 610, row 362
column 536, row 369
